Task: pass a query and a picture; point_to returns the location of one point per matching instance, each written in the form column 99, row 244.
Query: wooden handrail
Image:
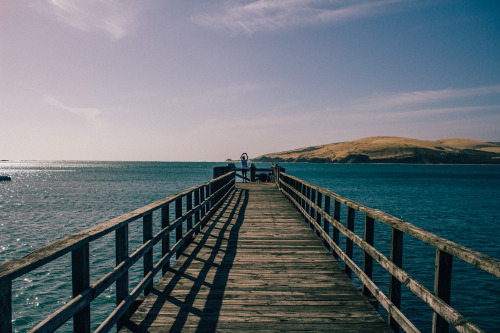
column 207, row 198
column 308, row 198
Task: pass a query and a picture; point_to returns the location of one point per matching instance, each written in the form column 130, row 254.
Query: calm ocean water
column 49, row 200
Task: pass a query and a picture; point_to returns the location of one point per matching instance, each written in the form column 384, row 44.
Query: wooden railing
column 315, row 204
column 193, row 207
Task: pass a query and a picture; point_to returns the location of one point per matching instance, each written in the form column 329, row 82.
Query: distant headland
column 389, row 149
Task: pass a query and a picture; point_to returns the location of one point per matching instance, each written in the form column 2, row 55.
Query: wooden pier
column 256, row 266
column 274, row 256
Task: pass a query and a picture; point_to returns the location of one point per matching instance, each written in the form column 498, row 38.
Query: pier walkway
column 256, row 265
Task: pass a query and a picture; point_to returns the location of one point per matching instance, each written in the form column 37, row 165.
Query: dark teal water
column 49, row 200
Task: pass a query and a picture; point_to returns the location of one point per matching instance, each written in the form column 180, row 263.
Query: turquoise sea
column 47, row 200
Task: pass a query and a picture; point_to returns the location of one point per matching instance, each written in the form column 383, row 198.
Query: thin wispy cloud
column 89, row 114
column 273, row 15
column 110, row 17
column 404, row 101
column 430, row 112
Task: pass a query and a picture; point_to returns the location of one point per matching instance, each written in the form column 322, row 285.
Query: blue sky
column 206, row 80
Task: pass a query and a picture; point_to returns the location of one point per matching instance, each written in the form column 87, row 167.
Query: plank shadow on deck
column 256, row 266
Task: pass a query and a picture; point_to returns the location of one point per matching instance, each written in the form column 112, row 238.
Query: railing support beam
column 367, row 259
column 6, row 307
column 147, row 235
column 394, row 283
column 442, row 288
column 178, row 230
column 336, row 217
column 121, row 240
column 80, row 266
column 348, row 242
column 165, row 242
column 326, row 224
column 319, row 200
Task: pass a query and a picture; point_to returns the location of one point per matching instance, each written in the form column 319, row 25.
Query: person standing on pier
column 244, row 166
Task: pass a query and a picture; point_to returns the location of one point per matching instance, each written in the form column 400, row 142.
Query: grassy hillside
column 385, row 149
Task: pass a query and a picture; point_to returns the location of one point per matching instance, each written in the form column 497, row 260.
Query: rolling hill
column 387, row 149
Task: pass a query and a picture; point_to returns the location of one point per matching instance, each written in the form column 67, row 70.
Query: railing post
column 6, row 307
column 336, row 217
column 189, row 207
column 178, row 229
column 147, row 234
column 277, row 176
column 189, row 222
column 442, row 288
column 312, row 211
column 308, row 196
column 319, row 200
column 121, row 241
column 300, row 188
column 348, row 242
column 80, row 267
column 165, row 242
column 326, row 224
column 394, row 283
column 197, row 215
column 367, row 259
column 210, row 192
column 202, row 199
column 304, row 194
column 296, row 187
column 252, row 172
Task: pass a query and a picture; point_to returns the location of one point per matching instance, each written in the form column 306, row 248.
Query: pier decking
column 256, row 265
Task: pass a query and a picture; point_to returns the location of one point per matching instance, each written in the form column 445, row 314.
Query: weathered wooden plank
column 256, row 265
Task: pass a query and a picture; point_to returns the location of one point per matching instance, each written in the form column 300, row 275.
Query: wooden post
column 189, row 221
column 442, row 288
column 367, row 259
column 319, row 200
column 217, row 171
column 299, row 198
column 394, row 283
column 348, row 242
column 165, row 242
column 189, row 207
column 326, row 224
column 304, row 192
column 178, row 230
column 210, row 194
column 279, row 171
column 217, row 187
column 197, row 215
column 336, row 217
column 147, row 234
column 80, row 267
column 252, row 172
column 6, row 307
column 121, row 240
column 312, row 211
column 221, row 170
column 202, row 199
column 308, row 196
